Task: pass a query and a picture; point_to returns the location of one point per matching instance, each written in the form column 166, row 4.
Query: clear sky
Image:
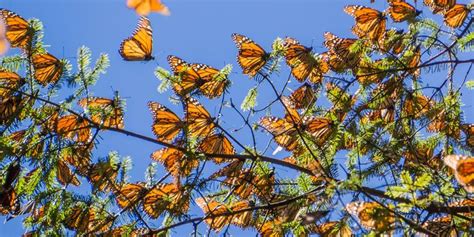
column 197, row 31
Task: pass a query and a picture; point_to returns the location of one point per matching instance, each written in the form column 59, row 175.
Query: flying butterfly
column 106, row 112
column 199, row 121
column 251, row 56
column 456, row 16
column 18, row 32
column 439, row 5
column 303, row 63
column 399, row 11
column 139, row 47
column 144, row 7
column 48, row 69
column 370, row 23
column 193, row 76
column 463, row 167
column 217, row 144
column 166, row 124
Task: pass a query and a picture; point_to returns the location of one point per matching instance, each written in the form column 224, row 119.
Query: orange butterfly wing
column 456, row 16
column 303, row 97
column 217, row 144
column 139, row 47
column 370, row 23
column 401, row 11
column 74, row 127
column 111, row 114
column 199, row 121
column 166, row 124
column 212, row 87
column 251, row 56
column 48, row 69
column 129, row 194
column 18, row 31
column 439, row 5
column 175, row 161
column 303, row 64
column 144, row 7
column 9, row 82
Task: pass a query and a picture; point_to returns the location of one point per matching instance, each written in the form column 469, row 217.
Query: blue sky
column 197, row 31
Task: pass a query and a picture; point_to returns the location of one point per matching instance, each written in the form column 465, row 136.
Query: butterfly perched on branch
column 303, row 63
column 372, row 215
column 399, row 11
column 104, row 111
column 139, row 46
column 196, row 76
column 251, row 57
column 220, row 214
column 370, row 23
column 48, row 69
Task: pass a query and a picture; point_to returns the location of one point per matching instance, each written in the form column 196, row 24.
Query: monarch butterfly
column 333, row 228
column 9, row 82
column 219, row 213
column 230, row 170
column 140, row 46
column 104, row 111
column 65, row 176
column 416, row 105
column 9, row 107
column 80, row 219
column 246, row 183
column 272, row 228
column 166, row 124
column 439, row 5
column 372, row 215
column 341, row 48
column 251, row 56
column 370, row 72
column 469, row 131
column 392, row 40
column 144, row 7
column 159, row 198
column 175, row 161
column 456, row 16
column 285, row 131
column 439, row 123
column 74, row 128
column 217, row 144
column 18, row 31
column 303, row 63
column 400, row 11
column 78, row 155
column 303, row 97
column 199, row 121
column 196, row 76
column 463, row 167
column 48, row 69
column 9, row 203
column 129, row 194
column 102, row 175
column 8, row 200
column 370, row 23
column 441, row 226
